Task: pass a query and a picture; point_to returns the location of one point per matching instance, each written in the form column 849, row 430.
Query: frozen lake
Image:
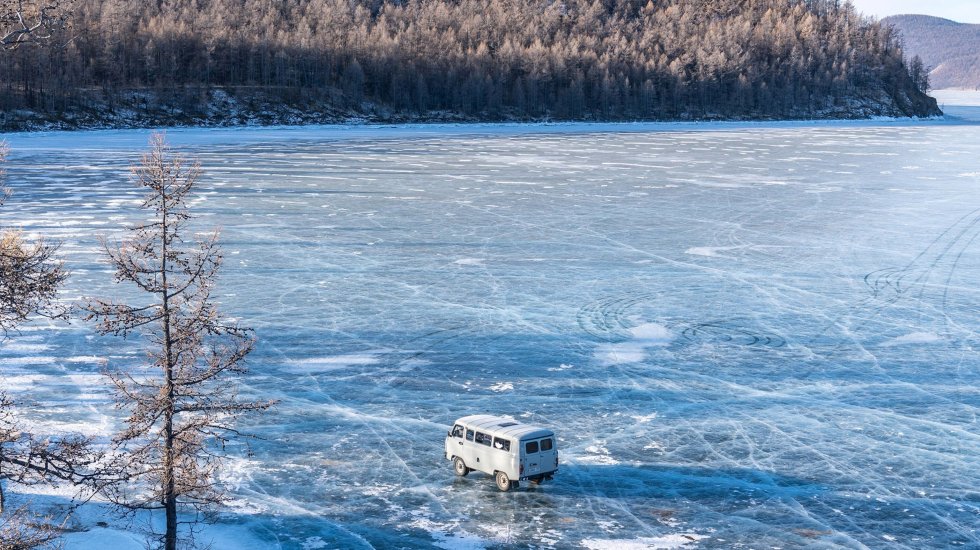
column 745, row 335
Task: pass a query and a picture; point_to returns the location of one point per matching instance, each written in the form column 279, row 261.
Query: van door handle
column 460, row 442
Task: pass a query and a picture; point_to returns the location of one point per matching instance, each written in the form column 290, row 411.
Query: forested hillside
column 133, row 62
column 950, row 49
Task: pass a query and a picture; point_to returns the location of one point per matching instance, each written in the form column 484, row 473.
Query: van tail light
column 556, row 461
column 522, row 469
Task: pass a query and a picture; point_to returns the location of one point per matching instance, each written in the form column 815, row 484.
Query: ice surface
column 751, row 335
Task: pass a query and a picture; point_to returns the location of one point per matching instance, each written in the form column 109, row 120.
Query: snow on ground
column 669, row 542
column 634, row 350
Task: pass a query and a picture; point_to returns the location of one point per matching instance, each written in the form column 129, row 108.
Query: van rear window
column 502, row 444
column 483, row 439
column 547, row 444
column 531, row 447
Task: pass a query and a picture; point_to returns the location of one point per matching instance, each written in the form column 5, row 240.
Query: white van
column 502, row 447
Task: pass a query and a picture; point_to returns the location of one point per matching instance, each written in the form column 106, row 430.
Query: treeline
column 480, row 59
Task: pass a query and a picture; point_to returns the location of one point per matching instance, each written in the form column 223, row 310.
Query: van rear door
column 540, row 456
column 532, row 457
column 548, row 454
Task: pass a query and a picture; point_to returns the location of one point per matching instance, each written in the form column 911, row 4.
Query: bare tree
column 24, row 21
column 182, row 404
column 19, row 530
column 28, row 460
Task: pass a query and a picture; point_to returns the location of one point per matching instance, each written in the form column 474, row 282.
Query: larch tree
column 182, row 403
column 29, row 281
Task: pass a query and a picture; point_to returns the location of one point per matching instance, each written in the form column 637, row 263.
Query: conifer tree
column 182, row 404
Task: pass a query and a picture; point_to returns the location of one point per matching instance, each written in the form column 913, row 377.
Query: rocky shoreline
column 218, row 107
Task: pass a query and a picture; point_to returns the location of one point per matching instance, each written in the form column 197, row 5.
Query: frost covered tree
column 182, row 403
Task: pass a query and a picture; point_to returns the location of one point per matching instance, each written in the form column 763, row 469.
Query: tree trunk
column 169, row 489
column 169, row 496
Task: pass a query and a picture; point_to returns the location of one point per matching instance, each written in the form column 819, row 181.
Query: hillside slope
column 133, row 62
column 950, row 49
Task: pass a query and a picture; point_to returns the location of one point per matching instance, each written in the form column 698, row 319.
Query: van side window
column 457, row 431
column 547, row 444
column 502, row 444
column 531, row 447
column 469, row 435
column 483, row 439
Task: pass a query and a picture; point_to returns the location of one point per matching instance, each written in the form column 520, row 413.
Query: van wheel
column 460, row 467
column 503, row 482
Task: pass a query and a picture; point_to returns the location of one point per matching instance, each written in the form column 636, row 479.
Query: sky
column 964, row 11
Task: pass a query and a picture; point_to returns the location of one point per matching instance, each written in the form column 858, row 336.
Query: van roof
column 500, row 425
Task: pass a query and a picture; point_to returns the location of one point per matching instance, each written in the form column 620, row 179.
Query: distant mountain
column 951, row 49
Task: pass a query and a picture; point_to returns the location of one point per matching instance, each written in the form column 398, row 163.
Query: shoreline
column 216, row 135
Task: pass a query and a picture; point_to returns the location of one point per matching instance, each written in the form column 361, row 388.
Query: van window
column 546, row 444
column 483, row 439
column 457, row 431
column 469, row 435
column 502, row 444
column 531, row 447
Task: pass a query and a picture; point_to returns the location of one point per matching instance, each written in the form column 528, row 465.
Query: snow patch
column 86, row 359
column 667, row 542
column 598, row 454
column 334, row 362
column 561, row 367
column 24, row 361
column 710, row 251
column 21, row 382
column 914, row 338
column 644, row 418
column 645, row 336
column 448, row 536
column 470, row 261
column 23, row 347
column 314, row 543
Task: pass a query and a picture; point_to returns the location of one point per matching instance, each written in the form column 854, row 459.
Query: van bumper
column 544, row 475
